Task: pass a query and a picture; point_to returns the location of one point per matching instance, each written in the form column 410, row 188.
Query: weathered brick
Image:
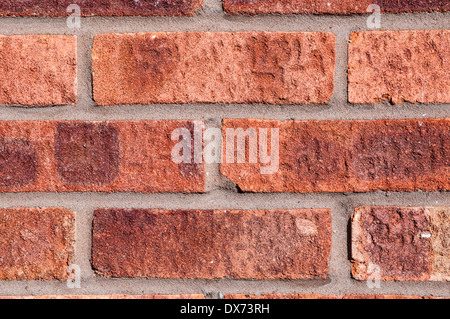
column 398, row 66
column 287, row 244
column 331, row 6
column 38, row 70
column 36, row 243
column 107, row 297
column 348, row 156
column 116, row 156
column 220, row 67
column 401, row 243
column 27, row 8
column 318, row 296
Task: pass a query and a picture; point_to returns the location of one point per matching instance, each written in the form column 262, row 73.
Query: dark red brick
column 349, row 156
column 404, row 243
column 27, row 8
column 331, row 6
column 279, row 244
column 105, row 297
column 213, row 67
column 318, row 296
column 36, row 243
column 116, row 156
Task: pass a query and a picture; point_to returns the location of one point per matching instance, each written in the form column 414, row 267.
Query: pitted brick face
column 36, row 243
column 401, row 243
column 18, row 162
column 214, row 67
column 331, row 6
column 275, row 244
column 397, row 246
column 88, row 8
column 87, row 154
column 400, row 150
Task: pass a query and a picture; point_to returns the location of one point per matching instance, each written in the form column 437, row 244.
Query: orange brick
column 116, row 156
column 36, row 243
column 348, row 156
column 399, row 66
column 220, row 67
column 38, row 70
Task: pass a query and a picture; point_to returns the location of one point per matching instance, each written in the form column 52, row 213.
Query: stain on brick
column 100, row 8
column 110, row 156
column 290, row 244
column 87, row 154
column 18, row 162
column 36, row 243
column 219, row 67
column 399, row 66
column 395, row 243
column 406, row 243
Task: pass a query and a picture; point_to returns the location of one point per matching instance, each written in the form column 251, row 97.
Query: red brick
column 349, row 156
column 405, row 243
column 318, row 296
column 116, row 156
column 38, row 70
column 104, row 297
column 220, row 67
column 278, row 244
column 331, row 6
column 27, row 8
column 399, row 66
column 36, row 243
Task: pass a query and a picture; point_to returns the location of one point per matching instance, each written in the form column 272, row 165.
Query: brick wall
column 251, row 149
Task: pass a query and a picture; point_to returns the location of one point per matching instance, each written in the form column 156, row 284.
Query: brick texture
column 116, row 156
column 27, row 8
column 404, row 243
column 399, row 66
column 279, row 244
column 318, row 296
column 349, row 156
column 331, row 6
column 221, row 67
column 38, row 70
column 107, row 297
column 36, row 243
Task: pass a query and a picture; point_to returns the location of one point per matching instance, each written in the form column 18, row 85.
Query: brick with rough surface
column 36, row 243
column 348, row 156
column 318, row 296
column 38, row 70
column 331, row 6
column 276, row 244
column 399, row 66
column 401, row 243
column 107, row 297
column 114, row 156
column 61, row 8
column 220, row 67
